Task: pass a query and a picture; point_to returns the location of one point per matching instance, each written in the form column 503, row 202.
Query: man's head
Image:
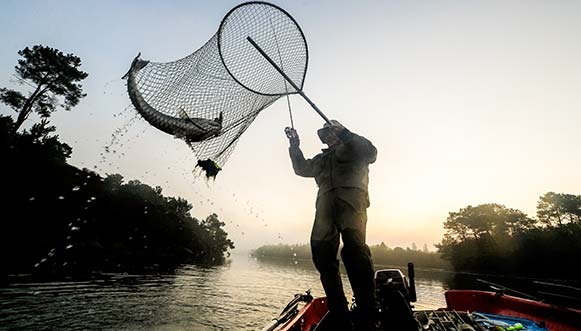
column 328, row 133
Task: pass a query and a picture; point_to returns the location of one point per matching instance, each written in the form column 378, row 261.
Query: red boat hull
column 308, row 316
column 554, row 318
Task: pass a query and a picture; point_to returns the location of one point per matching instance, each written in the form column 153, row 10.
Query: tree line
column 57, row 218
column 381, row 254
column 489, row 238
column 493, row 238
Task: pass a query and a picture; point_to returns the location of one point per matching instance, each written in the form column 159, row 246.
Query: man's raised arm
column 302, row 167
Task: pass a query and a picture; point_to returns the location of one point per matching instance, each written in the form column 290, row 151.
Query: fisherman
column 341, row 172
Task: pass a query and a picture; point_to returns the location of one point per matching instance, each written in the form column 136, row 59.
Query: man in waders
column 341, row 172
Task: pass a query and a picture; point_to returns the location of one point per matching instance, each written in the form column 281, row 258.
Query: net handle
column 298, row 89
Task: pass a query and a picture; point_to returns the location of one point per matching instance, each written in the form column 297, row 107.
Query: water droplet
column 93, row 198
column 76, row 188
column 295, row 254
column 36, row 265
column 75, row 228
column 69, row 247
column 61, row 197
column 31, row 199
column 296, row 262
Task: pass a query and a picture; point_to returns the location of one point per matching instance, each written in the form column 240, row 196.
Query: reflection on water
column 242, row 295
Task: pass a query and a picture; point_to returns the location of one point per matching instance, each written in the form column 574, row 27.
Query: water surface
column 244, row 294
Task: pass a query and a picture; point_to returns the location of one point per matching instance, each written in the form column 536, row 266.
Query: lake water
column 244, row 294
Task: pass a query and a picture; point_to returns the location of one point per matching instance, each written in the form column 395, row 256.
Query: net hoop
column 220, row 47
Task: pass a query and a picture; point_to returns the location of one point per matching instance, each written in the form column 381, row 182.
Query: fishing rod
column 289, row 311
column 503, row 288
column 568, row 287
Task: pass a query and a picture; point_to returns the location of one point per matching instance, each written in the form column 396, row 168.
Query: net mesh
column 210, row 97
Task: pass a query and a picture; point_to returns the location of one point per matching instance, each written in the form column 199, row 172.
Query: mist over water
column 244, row 294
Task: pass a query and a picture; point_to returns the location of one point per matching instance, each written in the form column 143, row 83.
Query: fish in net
column 210, row 97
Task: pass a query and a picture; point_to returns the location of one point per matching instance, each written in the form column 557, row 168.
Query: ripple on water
column 243, row 295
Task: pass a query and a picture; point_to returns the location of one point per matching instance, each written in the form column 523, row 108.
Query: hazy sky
column 468, row 102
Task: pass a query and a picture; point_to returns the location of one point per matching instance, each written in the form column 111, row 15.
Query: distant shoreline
column 377, row 266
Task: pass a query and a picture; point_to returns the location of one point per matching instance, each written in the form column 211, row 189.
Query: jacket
column 345, row 165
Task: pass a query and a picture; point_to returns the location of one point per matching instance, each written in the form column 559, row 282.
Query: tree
column 41, row 135
column 487, row 220
column 219, row 237
column 38, row 143
column 514, row 222
column 497, row 239
column 485, row 231
column 113, row 182
column 557, row 209
column 54, row 78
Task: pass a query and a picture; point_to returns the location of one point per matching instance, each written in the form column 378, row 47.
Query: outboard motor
column 395, row 292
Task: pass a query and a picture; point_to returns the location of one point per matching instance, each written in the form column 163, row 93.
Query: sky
column 467, row 102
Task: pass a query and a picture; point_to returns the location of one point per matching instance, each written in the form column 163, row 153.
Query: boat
column 466, row 310
column 551, row 317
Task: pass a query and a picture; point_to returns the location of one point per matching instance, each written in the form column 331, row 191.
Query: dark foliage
column 60, row 219
column 494, row 239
